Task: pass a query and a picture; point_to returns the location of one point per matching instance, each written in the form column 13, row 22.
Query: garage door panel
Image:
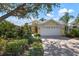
column 50, row 31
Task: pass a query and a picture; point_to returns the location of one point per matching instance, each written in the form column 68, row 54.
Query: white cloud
column 62, row 11
column 70, row 10
column 50, row 15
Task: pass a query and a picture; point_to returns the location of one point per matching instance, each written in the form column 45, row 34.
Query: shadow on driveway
column 55, row 37
column 59, row 51
column 60, row 46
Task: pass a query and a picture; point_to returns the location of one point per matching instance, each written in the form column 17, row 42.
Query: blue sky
column 72, row 8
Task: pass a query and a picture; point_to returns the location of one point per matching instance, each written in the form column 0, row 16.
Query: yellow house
column 47, row 28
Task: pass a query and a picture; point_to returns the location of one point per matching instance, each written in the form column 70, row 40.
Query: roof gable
column 49, row 22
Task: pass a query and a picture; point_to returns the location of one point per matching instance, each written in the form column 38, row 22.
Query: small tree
column 66, row 18
column 77, row 19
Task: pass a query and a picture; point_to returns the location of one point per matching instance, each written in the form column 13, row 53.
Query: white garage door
column 45, row 31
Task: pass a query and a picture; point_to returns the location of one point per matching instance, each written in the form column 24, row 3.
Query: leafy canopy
column 27, row 10
column 66, row 18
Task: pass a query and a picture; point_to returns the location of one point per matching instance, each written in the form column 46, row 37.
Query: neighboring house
column 48, row 27
column 73, row 24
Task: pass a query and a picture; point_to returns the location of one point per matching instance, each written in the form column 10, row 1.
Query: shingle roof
column 42, row 22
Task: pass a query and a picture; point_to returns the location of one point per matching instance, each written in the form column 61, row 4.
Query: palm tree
column 66, row 18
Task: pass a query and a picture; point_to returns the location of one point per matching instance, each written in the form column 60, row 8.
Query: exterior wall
column 54, row 27
column 34, row 29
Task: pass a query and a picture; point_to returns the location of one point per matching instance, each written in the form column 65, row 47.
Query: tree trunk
column 11, row 13
column 66, row 29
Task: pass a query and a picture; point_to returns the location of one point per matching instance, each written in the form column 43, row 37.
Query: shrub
column 76, row 32
column 30, row 40
column 68, row 34
column 73, row 33
column 16, row 47
column 2, row 46
column 37, row 39
column 36, row 49
column 37, row 35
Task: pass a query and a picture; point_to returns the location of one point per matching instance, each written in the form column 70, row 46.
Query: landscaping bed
column 73, row 33
column 19, row 47
column 17, row 41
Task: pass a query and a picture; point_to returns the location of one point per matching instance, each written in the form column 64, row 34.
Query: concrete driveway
column 60, row 46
